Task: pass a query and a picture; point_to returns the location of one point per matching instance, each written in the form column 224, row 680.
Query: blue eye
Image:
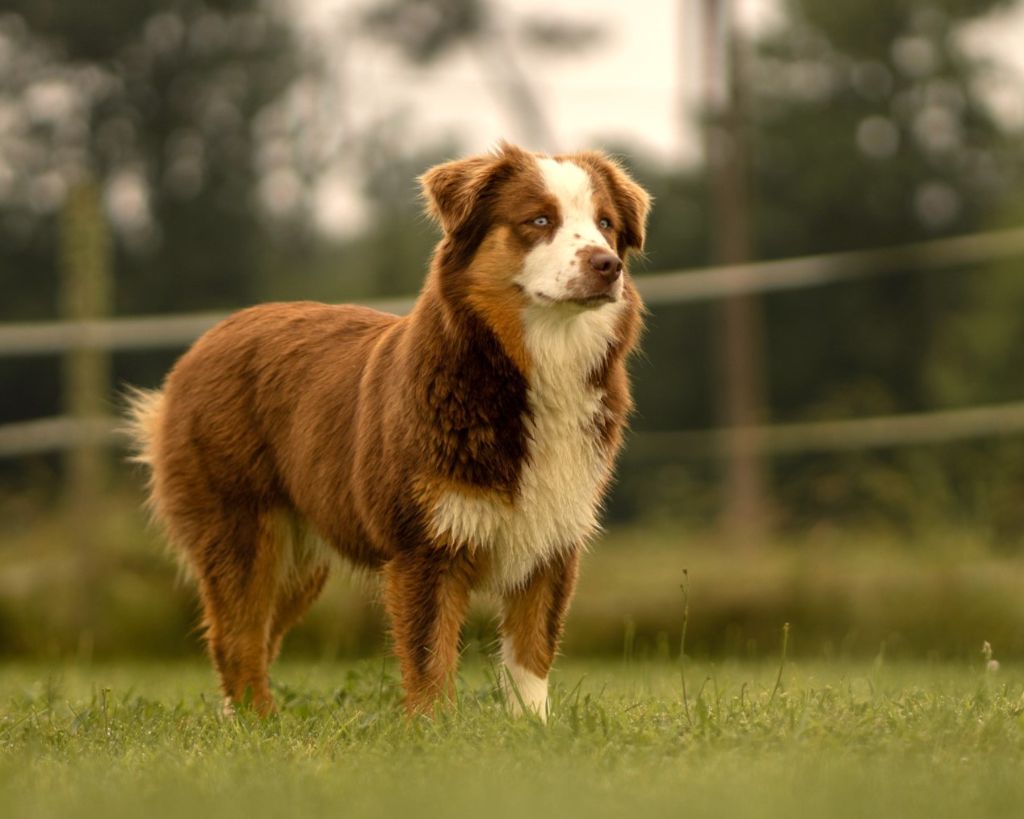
column 604, row 224
column 542, row 221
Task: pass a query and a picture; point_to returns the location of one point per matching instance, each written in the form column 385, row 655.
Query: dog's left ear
column 455, row 191
column 632, row 201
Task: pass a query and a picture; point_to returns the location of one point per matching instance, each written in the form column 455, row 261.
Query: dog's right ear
column 454, row 190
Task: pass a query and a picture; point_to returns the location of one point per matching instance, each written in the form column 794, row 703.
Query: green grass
column 833, row 740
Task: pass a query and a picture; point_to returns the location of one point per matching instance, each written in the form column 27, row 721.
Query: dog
column 465, row 446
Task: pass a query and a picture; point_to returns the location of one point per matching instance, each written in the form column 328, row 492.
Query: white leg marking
column 521, row 686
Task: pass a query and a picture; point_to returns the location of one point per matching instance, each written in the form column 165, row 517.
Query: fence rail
column 158, row 332
column 54, row 434
column 126, row 333
column 878, row 432
column 704, row 284
column 674, row 287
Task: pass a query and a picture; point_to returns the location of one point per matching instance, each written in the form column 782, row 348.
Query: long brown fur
column 292, row 425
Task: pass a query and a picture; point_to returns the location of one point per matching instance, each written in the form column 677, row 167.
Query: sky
column 640, row 84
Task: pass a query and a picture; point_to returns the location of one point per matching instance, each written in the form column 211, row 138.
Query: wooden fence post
column 740, row 337
column 86, row 294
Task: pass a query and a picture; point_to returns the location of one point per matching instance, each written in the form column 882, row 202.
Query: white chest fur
column 560, row 484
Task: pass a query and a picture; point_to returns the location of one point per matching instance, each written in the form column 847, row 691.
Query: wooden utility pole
column 86, row 294
column 740, row 342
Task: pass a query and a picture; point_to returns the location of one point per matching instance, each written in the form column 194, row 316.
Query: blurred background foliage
column 864, row 125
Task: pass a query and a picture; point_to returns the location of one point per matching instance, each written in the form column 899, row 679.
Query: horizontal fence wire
column 126, row 333
column 703, row 284
column 883, row 431
column 674, row 287
column 43, row 435
column 877, row 432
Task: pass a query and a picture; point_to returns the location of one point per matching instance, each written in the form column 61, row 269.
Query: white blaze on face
column 550, row 267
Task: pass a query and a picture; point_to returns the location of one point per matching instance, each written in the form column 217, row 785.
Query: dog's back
column 247, row 415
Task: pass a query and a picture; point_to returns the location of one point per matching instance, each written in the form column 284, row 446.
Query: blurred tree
column 390, row 256
column 166, row 104
column 872, row 126
column 869, row 125
column 157, row 98
column 978, row 357
column 426, row 31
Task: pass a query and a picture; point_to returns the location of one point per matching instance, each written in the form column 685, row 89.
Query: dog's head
column 542, row 230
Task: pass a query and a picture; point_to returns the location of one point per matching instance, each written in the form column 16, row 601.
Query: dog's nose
column 607, row 265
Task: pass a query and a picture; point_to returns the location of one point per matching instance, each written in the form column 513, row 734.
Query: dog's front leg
column 531, row 628
column 426, row 594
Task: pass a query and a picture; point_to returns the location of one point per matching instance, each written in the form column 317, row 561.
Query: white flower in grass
column 991, row 664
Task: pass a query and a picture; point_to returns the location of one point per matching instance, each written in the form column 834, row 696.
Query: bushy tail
column 143, row 414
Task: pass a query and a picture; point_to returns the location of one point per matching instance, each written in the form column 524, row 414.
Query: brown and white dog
column 465, row 446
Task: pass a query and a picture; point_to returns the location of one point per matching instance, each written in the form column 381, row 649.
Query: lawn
column 824, row 739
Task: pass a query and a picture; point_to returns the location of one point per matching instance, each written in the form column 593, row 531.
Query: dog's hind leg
column 305, row 566
column 293, row 601
column 240, row 574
